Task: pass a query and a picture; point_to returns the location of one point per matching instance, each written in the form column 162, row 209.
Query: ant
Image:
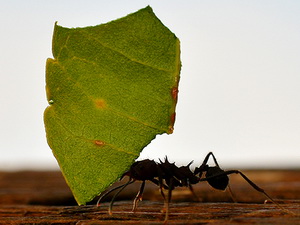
column 168, row 176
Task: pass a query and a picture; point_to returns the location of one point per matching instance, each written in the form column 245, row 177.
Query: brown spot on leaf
column 100, row 103
column 99, row 143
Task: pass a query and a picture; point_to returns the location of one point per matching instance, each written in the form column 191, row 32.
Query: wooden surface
column 44, row 198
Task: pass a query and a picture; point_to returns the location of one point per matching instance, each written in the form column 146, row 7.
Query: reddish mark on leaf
column 172, row 121
column 174, row 93
column 100, row 103
column 99, row 143
column 173, row 117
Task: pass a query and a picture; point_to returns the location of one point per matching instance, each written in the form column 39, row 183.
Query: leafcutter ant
column 168, row 176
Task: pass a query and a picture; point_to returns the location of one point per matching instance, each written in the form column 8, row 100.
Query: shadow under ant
column 168, row 176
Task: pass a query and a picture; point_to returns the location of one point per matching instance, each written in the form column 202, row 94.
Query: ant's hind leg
column 139, row 196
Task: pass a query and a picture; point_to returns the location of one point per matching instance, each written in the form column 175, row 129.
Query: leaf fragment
column 111, row 89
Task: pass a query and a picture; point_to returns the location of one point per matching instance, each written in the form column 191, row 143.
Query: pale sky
column 239, row 90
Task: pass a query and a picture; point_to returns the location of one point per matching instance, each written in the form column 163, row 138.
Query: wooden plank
column 43, row 198
column 149, row 213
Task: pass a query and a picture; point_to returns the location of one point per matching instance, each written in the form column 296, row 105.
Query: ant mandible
column 168, row 176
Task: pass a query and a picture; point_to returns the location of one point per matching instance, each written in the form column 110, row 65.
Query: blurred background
column 239, row 90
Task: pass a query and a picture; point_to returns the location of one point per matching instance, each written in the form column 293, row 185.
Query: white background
column 240, row 80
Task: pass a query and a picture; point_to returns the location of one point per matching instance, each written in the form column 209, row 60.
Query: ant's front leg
column 252, row 184
column 215, row 175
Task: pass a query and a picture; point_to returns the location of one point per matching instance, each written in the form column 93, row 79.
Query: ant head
column 216, row 177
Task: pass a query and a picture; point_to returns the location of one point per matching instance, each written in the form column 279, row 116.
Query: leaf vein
column 123, row 54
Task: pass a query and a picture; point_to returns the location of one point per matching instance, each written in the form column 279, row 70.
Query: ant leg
column 202, row 168
column 138, row 196
column 167, row 203
column 162, row 192
column 207, row 157
column 193, row 192
column 252, row 184
column 110, row 191
column 160, row 183
column 231, row 194
column 237, row 172
column 249, row 182
column 114, row 197
column 161, row 186
column 258, row 189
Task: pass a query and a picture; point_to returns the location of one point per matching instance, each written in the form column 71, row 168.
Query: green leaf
column 111, row 89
